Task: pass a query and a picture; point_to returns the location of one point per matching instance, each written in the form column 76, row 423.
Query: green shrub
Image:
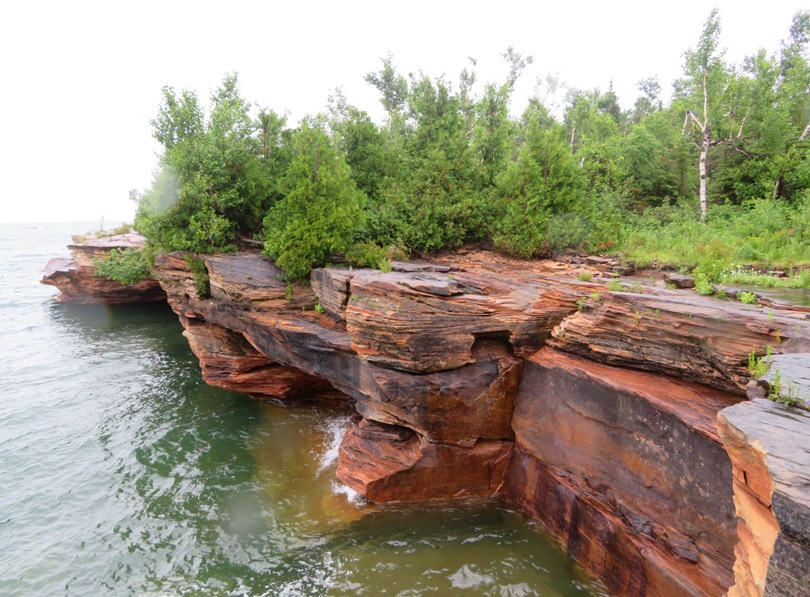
column 127, row 266
column 368, row 255
column 703, row 286
column 749, row 298
column 199, row 273
column 321, row 210
column 585, row 276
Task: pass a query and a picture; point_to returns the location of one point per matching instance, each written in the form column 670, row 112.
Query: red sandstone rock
column 252, row 280
column 229, row 361
column 393, row 464
column 76, row 278
column 630, row 461
column 697, row 338
column 428, row 321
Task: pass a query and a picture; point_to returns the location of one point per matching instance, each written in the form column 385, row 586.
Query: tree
column 321, row 208
column 392, row 86
column 542, row 182
column 710, row 84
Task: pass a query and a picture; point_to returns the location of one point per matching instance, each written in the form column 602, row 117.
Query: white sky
column 82, row 79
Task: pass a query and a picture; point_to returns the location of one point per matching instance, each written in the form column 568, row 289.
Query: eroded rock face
column 771, row 463
column 77, row 280
column 229, row 361
column 626, row 469
column 609, row 439
column 429, row 321
column 697, row 338
column 386, row 463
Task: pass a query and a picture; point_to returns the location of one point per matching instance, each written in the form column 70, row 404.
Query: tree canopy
column 723, row 166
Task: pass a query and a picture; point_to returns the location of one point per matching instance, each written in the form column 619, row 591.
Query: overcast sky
column 81, row 80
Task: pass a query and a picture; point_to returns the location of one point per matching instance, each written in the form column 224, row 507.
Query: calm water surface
column 122, row 473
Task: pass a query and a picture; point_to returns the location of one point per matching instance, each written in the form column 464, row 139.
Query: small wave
column 335, row 430
column 352, row 496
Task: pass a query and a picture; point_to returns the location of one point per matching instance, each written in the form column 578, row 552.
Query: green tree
column 544, row 181
column 714, row 100
column 321, row 209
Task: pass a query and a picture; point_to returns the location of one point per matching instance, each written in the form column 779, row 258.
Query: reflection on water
column 124, row 474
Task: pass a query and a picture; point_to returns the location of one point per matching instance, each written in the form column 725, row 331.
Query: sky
column 82, row 79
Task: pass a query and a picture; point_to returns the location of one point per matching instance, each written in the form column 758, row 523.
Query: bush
column 321, row 211
column 199, row 272
column 127, row 266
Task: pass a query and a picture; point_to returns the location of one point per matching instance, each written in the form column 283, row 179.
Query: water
column 122, row 473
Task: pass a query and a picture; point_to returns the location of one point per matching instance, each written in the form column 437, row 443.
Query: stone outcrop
column 76, row 277
column 627, row 470
column 684, row 335
column 593, row 412
column 768, row 446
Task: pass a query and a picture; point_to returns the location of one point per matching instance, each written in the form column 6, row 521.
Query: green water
column 124, row 474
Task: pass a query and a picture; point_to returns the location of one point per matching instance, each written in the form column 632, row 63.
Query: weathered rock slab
column 769, row 447
column 76, row 277
column 639, row 456
column 387, row 463
column 696, row 338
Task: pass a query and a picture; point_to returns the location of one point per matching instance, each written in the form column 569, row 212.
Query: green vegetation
column 127, row 266
column 199, row 273
column 719, row 176
column 749, row 298
column 758, row 365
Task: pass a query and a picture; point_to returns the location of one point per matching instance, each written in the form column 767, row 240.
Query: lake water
column 122, row 473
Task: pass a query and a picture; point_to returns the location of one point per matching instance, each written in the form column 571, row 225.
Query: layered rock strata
column 768, row 446
column 627, row 470
column 77, row 280
column 591, row 411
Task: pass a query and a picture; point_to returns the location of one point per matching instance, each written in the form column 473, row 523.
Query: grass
column 765, row 234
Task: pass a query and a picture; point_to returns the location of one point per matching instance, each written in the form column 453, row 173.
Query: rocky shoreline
column 618, row 420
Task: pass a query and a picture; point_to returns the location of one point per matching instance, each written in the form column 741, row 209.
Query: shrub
column 127, row 266
column 199, row 273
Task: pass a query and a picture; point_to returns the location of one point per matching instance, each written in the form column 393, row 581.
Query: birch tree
column 713, row 101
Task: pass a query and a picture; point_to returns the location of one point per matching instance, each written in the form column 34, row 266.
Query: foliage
column 321, row 208
column 749, row 298
column 450, row 165
column 217, row 177
column 368, row 255
column 199, row 273
column 127, row 266
column 542, row 182
column 758, row 366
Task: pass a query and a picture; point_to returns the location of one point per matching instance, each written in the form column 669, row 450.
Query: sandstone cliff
column 593, row 412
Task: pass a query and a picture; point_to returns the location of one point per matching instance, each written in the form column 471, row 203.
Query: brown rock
column 697, row 338
column 229, row 361
column 427, row 322
column 770, row 454
column 639, row 454
column 255, row 282
column 679, row 280
column 393, row 464
column 77, row 280
column 459, row 406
